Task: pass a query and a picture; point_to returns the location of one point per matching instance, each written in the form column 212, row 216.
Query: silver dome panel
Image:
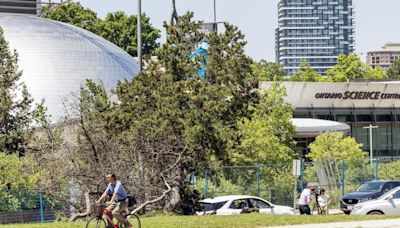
column 56, row 58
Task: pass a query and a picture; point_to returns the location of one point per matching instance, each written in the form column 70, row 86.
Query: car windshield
column 202, row 206
column 371, row 187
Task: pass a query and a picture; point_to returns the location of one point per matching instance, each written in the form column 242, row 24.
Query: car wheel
column 347, row 212
column 375, row 213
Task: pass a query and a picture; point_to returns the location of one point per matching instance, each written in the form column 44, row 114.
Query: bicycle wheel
column 134, row 221
column 96, row 222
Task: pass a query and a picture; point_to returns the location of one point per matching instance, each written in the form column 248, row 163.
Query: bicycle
column 97, row 220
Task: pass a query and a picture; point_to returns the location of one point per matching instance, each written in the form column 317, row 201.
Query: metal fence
column 271, row 182
column 28, row 206
column 276, row 182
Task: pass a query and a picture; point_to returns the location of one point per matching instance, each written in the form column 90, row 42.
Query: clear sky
column 377, row 21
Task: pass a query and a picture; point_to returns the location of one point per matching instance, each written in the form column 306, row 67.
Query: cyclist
column 118, row 202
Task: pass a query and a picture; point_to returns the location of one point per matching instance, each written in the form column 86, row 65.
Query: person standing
column 305, row 199
column 323, row 201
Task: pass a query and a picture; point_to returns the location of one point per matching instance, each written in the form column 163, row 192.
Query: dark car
column 368, row 191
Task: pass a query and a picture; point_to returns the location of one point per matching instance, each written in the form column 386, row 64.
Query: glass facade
column 385, row 138
column 317, row 31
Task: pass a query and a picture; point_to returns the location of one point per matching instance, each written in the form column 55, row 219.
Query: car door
column 392, row 207
column 260, row 206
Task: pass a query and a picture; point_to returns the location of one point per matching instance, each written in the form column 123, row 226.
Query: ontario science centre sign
column 358, row 95
column 341, row 95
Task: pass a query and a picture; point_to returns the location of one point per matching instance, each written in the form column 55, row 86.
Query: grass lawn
column 245, row 220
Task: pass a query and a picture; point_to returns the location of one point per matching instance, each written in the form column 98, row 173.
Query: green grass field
column 246, row 220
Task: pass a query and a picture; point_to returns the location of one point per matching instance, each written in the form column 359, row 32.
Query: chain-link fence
column 276, row 182
column 28, row 206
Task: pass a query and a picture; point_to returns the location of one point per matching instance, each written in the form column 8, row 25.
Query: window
column 256, row 203
column 239, row 204
column 210, row 206
column 396, row 195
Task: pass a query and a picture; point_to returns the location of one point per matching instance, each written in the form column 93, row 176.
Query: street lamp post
column 215, row 17
column 139, row 34
column 370, row 139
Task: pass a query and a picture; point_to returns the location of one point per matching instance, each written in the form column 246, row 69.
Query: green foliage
column 358, row 172
column 376, row 74
column 189, row 198
column 332, row 146
column 394, row 70
column 74, row 13
column 268, row 71
column 168, row 97
column 121, row 30
column 277, row 182
column 223, row 187
column 267, row 137
column 16, row 111
column 306, row 74
column 167, row 119
column 350, row 67
column 389, row 171
column 18, row 174
column 117, row 27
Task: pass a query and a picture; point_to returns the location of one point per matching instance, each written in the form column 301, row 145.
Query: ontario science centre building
column 356, row 104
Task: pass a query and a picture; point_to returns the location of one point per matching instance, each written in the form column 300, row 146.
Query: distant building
column 357, row 104
column 57, row 58
column 20, row 6
column 384, row 57
column 317, row 31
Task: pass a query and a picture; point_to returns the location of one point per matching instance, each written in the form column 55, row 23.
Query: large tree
column 334, row 146
column 350, row 67
column 267, row 137
column 17, row 111
column 118, row 27
column 121, row 30
column 169, row 121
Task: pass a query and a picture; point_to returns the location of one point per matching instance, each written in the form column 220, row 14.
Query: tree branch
column 86, row 213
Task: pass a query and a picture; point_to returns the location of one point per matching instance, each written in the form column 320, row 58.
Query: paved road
column 383, row 223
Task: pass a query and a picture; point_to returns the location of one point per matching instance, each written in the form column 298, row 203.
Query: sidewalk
column 383, row 223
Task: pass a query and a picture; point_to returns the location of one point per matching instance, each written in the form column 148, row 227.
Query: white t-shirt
column 305, row 197
column 323, row 200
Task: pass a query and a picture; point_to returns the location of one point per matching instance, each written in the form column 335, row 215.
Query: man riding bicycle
column 118, row 201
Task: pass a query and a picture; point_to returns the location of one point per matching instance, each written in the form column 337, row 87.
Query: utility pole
column 174, row 15
column 215, row 17
column 139, row 34
column 370, row 140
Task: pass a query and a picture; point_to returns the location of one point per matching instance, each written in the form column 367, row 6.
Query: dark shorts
column 304, row 209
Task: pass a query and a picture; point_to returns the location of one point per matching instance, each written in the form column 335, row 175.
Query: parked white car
column 387, row 204
column 231, row 205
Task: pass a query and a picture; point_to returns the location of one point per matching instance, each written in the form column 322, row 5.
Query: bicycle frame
column 103, row 216
column 109, row 220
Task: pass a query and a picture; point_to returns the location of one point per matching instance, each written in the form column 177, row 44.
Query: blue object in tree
column 201, row 51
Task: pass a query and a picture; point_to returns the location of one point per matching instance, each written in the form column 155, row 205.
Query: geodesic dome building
column 56, row 58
